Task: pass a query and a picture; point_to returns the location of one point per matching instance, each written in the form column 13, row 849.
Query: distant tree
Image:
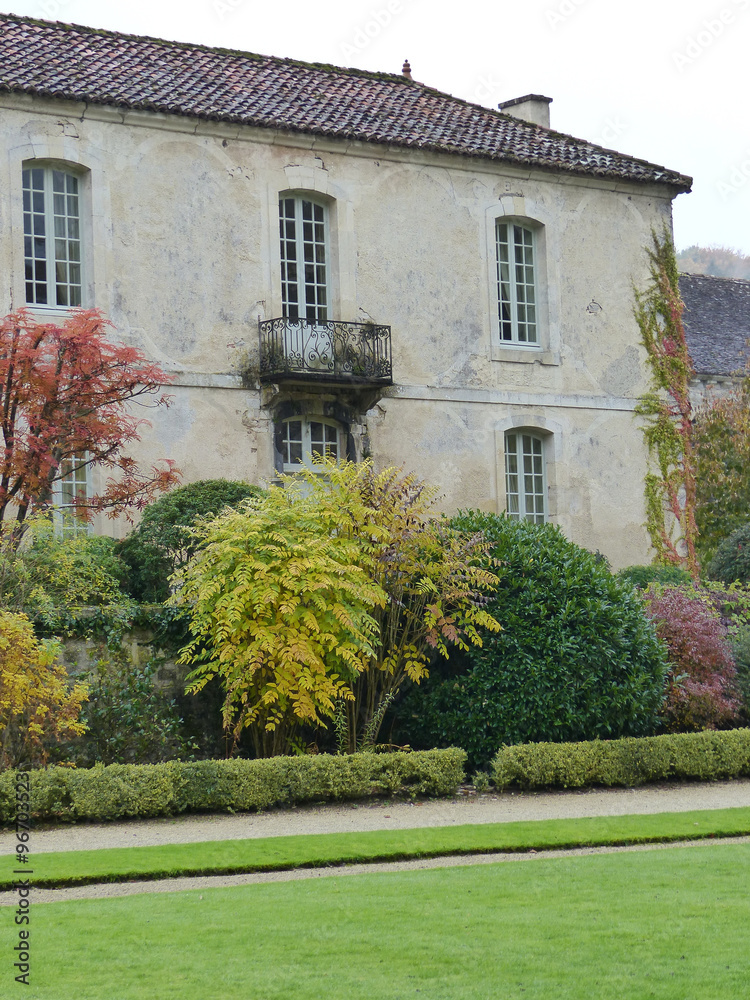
column 65, row 401
column 670, row 488
column 718, row 261
column 721, row 437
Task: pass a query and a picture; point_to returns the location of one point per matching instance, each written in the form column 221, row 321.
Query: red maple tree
column 65, row 395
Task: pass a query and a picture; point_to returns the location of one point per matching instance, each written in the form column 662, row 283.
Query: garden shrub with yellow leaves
column 37, row 704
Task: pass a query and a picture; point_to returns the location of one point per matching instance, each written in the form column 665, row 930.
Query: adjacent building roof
column 717, row 323
column 76, row 63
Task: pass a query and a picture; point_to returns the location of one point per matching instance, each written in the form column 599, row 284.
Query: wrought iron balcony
column 334, row 351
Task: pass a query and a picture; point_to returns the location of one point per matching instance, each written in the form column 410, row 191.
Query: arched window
column 52, row 236
column 303, row 231
column 525, row 476
column 303, row 437
column 516, row 283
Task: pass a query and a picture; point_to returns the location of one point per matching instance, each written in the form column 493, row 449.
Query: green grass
column 275, row 853
column 670, row 925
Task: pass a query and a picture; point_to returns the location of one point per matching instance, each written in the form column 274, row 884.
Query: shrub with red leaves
column 702, row 683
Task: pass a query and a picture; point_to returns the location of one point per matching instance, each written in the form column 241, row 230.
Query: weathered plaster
column 183, row 256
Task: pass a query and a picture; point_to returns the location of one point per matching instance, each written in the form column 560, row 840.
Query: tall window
column 525, row 487
column 516, row 284
column 304, row 269
column 72, row 488
column 302, row 438
column 52, row 237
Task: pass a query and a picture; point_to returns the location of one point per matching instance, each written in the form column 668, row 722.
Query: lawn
column 316, row 850
column 652, row 924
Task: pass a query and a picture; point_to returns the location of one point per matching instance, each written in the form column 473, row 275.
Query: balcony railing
column 333, row 351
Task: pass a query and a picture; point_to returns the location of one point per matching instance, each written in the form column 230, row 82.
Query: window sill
column 524, row 355
column 46, row 313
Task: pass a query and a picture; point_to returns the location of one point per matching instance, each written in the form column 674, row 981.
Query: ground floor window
column 71, row 490
column 525, row 477
column 304, row 437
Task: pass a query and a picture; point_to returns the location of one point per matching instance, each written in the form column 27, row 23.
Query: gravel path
column 490, row 808
column 503, row 807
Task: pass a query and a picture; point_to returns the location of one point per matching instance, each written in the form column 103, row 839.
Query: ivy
column 670, row 484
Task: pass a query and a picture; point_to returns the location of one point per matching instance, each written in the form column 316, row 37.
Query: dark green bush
column 740, row 645
column 577, row 659
column 707, row 756
column 732, row 560
column 109, row 793
column 642, row 576
column 162, row 542
column 129, row 719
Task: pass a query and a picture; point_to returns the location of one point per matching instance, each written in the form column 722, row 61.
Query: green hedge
column 123, row 790
column 706, row 756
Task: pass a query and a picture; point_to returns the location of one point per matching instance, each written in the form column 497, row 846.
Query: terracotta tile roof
column 104, row 67
column 717, row 322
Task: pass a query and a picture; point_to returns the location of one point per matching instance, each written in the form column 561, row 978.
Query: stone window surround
column 62, row 152
column 532, row 215
column 549, row 431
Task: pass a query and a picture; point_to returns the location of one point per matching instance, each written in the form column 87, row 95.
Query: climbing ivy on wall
column 670, row 482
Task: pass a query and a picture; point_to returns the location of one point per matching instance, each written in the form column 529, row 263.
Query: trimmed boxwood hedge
column 125, row 790
column 706, row 756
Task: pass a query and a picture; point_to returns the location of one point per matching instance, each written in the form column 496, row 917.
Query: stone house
column 333, row 259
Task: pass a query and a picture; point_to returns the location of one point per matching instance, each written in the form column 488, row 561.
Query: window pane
column 303, row 238
column 524, row 476
column 52, row 206
column 516, row 283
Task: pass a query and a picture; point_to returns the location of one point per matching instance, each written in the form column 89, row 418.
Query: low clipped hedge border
column 124, row 790
column 706, row 756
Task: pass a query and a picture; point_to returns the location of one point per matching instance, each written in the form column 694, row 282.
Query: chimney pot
column 406, row 69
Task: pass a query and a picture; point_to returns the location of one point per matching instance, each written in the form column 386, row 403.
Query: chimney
column 406, row 69
column 532, row 108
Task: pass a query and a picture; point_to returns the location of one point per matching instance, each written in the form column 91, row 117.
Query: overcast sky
column 663, row 80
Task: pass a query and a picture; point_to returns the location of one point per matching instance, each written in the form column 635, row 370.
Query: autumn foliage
column 702, row 683
column 65, row 392
column 37, row 704
column 327, row 595
column 670, row 486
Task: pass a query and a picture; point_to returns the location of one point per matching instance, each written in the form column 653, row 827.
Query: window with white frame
column 71, row 490
column 516, row 284
column 303, row 231
column 525, row 476
column 303, row 437
column 52, row 236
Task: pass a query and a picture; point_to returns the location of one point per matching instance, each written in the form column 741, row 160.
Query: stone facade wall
column 79, row 656
column 183, row 257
